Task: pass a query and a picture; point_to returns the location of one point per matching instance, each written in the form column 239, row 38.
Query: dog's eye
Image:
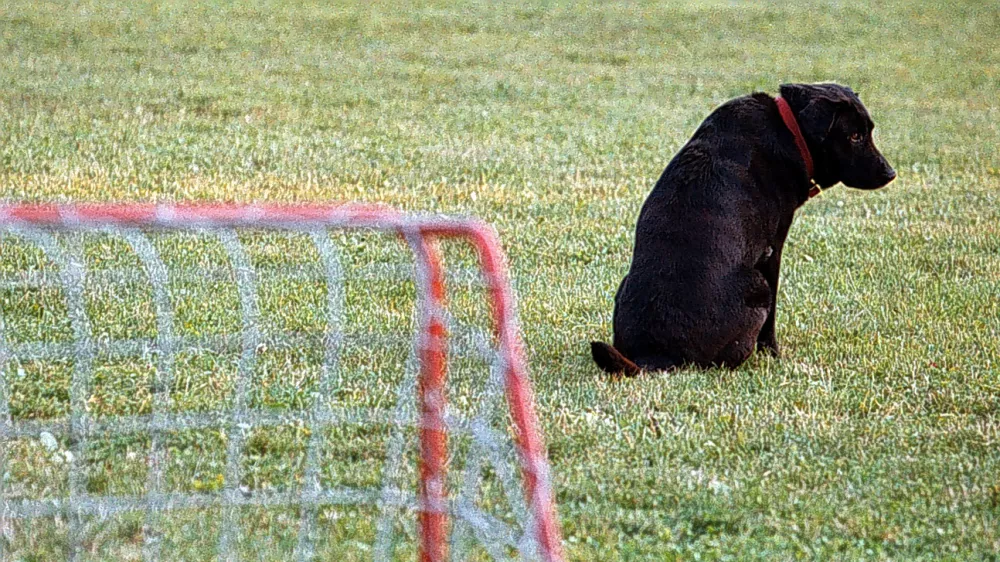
column 856, row 137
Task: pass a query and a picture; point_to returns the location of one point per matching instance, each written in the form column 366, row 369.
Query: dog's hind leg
column 738, row 350
column 734, row 354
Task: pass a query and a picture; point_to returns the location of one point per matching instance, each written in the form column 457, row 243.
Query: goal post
column 59, row 234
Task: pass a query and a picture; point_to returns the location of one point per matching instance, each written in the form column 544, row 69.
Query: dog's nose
column 890, row 175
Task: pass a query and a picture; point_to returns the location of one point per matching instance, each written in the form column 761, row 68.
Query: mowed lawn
column 876, row 435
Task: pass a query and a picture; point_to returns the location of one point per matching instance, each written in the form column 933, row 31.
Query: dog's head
column 838, row 130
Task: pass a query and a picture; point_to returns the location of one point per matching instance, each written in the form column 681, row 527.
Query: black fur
column 702, row 286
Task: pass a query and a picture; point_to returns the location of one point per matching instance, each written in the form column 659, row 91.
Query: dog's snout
column 890, row 174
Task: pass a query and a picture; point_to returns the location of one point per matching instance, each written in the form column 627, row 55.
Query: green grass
column 876, row 435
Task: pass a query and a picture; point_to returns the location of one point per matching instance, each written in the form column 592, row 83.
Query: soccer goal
column 268, row 382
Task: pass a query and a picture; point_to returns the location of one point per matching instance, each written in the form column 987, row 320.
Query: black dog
column 704, row 277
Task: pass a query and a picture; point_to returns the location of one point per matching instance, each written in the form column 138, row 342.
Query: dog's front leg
column 766, row 339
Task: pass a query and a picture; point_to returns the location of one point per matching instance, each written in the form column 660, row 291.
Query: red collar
column 789, row 118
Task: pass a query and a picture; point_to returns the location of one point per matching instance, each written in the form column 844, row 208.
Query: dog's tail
column 611, row 360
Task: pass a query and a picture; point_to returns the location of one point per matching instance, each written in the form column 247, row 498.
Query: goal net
column 274, row 383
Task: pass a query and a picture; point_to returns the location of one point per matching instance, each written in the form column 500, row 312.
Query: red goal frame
column 421, row 231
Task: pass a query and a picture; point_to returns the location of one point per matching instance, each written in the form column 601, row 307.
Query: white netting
column 228, row 394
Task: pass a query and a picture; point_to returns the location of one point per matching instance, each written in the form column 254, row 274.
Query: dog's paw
column 769, row 347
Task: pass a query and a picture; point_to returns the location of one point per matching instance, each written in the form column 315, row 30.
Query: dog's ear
column 816, row 106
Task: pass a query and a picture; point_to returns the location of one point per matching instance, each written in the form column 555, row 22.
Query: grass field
column 875, row 436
